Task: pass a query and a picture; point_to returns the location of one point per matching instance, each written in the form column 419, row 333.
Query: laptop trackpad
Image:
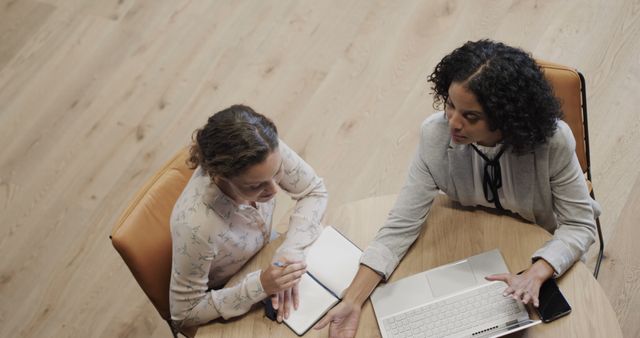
column 451, row 278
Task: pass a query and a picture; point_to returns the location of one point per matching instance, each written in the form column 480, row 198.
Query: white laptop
column 452, row 300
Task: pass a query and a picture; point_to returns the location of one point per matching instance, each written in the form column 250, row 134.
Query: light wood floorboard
column 96, row 95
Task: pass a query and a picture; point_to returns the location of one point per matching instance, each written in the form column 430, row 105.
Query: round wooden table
column 451, row 233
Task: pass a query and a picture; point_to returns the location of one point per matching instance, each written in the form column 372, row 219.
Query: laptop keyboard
column 454, row 315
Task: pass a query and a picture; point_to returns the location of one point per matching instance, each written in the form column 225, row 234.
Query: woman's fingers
column 518, row 294
column 524, row 287
column 529, row 296
column 536, row 302
column 290, row 284
column 287, row 302
column 295, row 296
column 285, row 299
column 293, row 267
column 521, row 287
column 289, row 276
column 282, row 305
column 535, row 293
column 508, row 291
column 276, row 278
column 503, row 277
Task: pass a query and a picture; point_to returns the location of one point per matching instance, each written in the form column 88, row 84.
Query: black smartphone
column 553, row 305
column 269, row 311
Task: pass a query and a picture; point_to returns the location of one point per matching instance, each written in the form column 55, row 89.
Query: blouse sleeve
column 300, row 181
column 572, row 205
column 191, row 303
column 407, row 216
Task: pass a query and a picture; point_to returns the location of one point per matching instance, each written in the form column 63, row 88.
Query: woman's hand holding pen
column 280, row 280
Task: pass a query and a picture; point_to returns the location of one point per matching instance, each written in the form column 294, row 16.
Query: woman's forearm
column 541, row 269
column 362, row 285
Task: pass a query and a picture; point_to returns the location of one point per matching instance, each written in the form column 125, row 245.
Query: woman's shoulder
column 434, row 132
column 435, row 125
column 562, row 138
column 192, row 207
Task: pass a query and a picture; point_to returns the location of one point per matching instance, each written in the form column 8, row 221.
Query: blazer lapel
column 460, row 179
column 523, row 183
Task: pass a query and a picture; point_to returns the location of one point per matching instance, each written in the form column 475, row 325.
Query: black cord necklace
column 492, row 178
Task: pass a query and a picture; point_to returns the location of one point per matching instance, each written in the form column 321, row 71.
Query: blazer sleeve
column 407, row 216
column 572, row 205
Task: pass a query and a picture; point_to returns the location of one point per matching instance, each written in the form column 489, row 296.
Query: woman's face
column 467, row 121
column 259, row 182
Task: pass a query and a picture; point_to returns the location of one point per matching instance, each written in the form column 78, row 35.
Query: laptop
column 452, row 300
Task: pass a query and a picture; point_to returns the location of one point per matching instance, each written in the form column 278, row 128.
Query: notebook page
column 315, row 301
column 333, row 260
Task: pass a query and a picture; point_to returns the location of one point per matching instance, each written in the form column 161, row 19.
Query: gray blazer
column 550, row 188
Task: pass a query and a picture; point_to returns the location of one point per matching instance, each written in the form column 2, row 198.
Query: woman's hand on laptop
column 525, row 286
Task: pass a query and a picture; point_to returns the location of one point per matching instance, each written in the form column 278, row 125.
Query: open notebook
column 332, row 262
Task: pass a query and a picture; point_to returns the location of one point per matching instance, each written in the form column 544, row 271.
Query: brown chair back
column 142, row 234
column 567, row 87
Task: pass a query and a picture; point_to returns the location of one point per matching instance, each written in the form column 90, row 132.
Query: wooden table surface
column 452, row 233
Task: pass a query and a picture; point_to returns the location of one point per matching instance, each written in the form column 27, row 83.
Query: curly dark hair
column 232, row 140
column 509, row 86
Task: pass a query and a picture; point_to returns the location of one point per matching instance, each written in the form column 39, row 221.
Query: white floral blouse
column 213, row 237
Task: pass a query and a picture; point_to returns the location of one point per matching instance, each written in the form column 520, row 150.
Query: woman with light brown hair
column 224, row 216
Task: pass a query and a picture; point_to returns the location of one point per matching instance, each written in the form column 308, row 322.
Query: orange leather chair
column 569, row 87
column 143, row 238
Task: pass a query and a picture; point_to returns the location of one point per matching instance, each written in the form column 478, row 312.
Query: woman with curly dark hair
column 508, row 85
column 223, row 217
column 499, row 143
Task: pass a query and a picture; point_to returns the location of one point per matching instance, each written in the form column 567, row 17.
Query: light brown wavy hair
column 232, row 140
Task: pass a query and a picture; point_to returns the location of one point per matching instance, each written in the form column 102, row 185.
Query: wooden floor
column 96, row 95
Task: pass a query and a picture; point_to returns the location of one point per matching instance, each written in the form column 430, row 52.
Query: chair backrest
column 142, row 234
column 568, row 88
